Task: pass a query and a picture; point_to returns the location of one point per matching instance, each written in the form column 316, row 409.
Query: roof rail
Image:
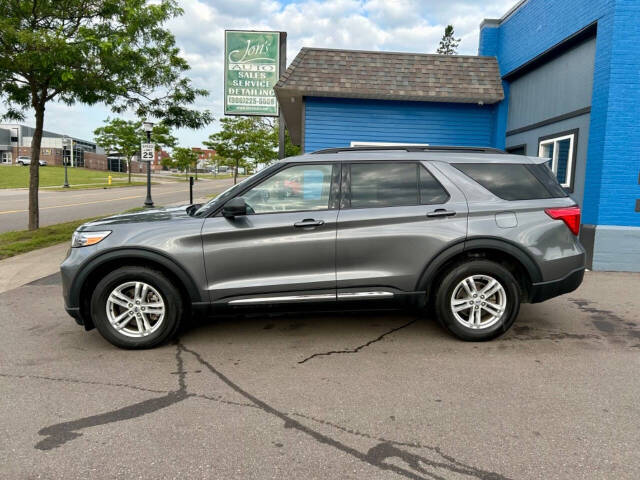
column 411, row 148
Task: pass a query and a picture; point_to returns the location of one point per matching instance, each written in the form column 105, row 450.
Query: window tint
column 302, row 187
column 510, row 181
column 544, row 174
column 431, row 192
column 383, row 184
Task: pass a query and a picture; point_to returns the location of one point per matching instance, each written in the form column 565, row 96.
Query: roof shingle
column 392, row 76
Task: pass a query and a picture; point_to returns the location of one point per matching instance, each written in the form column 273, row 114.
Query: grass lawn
column 208, row 176
column 23, row 241
column 18, row 177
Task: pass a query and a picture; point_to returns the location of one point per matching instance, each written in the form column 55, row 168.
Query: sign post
column 283, row 67
column 147, row 152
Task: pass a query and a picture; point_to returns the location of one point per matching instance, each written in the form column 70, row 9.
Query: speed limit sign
column 147, row 152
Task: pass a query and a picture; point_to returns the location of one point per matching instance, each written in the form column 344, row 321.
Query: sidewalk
column 22, row 269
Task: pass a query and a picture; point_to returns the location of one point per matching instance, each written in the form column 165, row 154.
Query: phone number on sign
column 268, row 101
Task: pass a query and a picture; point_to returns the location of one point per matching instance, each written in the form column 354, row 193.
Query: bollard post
column 109, row 179
column 190, row 190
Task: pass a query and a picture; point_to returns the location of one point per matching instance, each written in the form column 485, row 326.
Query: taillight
column 569, row 215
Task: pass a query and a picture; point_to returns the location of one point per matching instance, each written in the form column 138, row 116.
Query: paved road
column 57, row 207
column 311, row 396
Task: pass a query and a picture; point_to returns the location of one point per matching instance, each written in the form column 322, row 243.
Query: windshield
column 230, row 192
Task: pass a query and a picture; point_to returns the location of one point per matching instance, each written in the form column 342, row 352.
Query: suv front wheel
column 478, row 300
column 136, row 307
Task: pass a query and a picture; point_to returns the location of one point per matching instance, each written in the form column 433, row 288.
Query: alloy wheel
column 478, row 301
column 135, row 309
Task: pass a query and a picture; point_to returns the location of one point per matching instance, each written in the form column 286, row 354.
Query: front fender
column 148, row 256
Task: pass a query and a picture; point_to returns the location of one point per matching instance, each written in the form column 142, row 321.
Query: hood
column 144, row 216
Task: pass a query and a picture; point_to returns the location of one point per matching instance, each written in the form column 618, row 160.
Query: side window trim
column 421, row 165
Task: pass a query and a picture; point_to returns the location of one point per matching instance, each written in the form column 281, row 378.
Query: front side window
column 297, row 188
column 560, row 150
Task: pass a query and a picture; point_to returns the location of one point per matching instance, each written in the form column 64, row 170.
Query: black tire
column 448, row 286
column 169, row 294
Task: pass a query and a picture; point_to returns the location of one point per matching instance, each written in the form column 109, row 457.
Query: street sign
column 146, row 152
column 251, row 69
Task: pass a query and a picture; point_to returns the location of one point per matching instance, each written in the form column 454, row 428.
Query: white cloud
column 392, row 25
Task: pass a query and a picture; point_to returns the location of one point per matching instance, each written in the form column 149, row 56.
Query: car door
column 283, row 250
column 395, row 217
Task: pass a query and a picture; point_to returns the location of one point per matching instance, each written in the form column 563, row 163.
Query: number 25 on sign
column 147, row 152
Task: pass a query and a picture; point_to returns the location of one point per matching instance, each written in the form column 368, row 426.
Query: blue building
column 553, row 78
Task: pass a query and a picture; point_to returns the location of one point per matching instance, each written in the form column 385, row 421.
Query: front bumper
column 545, row 290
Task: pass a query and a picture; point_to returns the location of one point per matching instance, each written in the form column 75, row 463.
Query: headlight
column 84, row 239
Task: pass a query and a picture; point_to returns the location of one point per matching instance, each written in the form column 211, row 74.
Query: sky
column 390, row 25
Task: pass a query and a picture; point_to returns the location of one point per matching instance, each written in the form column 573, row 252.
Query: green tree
column 184, row 158
column 244, row 139
column 448, row 44
column 167, row 163
column 116, row 52
column 125, row 137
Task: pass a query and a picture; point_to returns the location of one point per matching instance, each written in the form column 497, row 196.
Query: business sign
column 146, row 152
column 251, row 69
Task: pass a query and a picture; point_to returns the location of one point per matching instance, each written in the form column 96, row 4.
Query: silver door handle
column 308, row 222
column 441, row 212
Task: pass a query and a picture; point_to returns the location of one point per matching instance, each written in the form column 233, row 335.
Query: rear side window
column 383, row 184
column 513, row 181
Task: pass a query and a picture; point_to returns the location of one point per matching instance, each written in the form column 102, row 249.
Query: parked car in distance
column 469, row 233
column 24, row 160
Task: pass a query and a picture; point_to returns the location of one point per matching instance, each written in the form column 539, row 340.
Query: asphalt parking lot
column 369, row 395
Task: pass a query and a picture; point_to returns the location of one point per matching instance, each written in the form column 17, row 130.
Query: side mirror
column 234, row 208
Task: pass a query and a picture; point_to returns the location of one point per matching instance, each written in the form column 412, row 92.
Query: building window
column 517, row 150
column 561, row 149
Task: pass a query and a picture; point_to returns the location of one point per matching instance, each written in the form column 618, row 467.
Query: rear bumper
column 545, row 290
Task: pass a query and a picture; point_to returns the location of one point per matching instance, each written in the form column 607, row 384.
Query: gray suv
column 468, row 232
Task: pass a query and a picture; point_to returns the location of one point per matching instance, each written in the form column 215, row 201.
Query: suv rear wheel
column 478, row 300
column 136, row 307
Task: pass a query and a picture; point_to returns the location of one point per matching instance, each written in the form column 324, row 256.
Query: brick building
column 205, row 156
column 553, row 78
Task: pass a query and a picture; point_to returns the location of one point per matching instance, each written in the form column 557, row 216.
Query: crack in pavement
column 216, row 398
column 82, row 382
column 60, row 433
column 377, row 456
column 360, row 347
